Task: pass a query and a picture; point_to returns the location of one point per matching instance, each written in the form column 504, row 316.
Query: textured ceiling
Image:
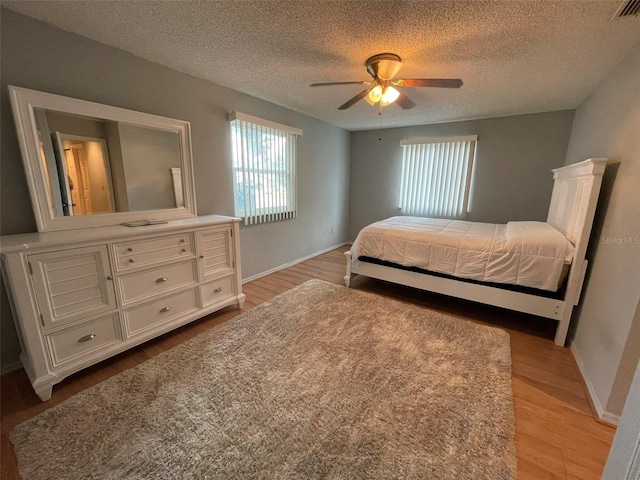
column 514, row 57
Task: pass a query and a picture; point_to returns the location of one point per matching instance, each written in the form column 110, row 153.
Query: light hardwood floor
column 557, row 436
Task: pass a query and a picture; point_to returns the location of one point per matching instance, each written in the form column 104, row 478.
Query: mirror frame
column 24, row 101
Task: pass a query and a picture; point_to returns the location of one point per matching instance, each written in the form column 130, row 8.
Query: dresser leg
column 241, row 299
column 44, row 391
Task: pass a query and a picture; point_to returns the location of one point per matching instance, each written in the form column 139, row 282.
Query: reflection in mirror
column 95, row 166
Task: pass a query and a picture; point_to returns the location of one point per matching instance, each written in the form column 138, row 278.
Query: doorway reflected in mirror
column 95, row 166
column 91, row 165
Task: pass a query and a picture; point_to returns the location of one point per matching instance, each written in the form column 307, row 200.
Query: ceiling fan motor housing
column 384, row 65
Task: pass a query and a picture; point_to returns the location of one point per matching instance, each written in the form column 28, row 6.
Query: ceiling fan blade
column 338, row 83
column 430, row 82
column 353, row 100
column 405, row 102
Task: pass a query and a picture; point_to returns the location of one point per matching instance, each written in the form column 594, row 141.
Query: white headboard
column 573, row 201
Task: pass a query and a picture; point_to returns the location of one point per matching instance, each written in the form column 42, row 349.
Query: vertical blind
column 436, row 174
column 264, row 169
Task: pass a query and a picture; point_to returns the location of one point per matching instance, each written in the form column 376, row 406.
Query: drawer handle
column 109, row 277
column 165, row 309
column 182, row 251
column 131, row 260
column 201, row 256
column 162, row 279
column 86, row 338
column 182, row 240
column 217, row 290
column 129, row 249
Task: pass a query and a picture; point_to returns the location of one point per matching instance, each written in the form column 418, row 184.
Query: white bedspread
column 530, row 254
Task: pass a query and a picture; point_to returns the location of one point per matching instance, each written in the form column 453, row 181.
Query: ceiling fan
column 383, row 67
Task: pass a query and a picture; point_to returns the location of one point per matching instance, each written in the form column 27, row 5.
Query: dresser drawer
column 144, row 317
column 83, row 340
column 154, row 250
column 218, row 290
column 145, row 284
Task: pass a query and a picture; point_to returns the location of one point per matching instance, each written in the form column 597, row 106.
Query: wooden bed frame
column 573, row 204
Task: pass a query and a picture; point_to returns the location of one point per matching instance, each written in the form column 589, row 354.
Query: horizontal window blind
column 436, row 174
column 264, row 169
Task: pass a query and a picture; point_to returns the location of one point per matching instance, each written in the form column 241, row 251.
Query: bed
column 532, row 267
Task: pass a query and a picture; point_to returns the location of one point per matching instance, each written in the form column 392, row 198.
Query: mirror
column 91, row 165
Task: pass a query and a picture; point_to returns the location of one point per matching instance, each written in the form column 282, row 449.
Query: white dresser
column 80, row 296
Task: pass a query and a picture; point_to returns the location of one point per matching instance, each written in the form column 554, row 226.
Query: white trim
column 292, row 263
column 10, row 367
column 425, row 141
column 601, row 413
column 610, row 418
column 265, row 123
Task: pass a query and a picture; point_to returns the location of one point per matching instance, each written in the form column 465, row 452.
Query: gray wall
column 74, row 125
column 607, row 338
column 148, row 156
column 38, row 56
column 511, row 179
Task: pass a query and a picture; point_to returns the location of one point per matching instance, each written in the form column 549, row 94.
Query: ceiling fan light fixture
column 375, row 95
column 389, row 96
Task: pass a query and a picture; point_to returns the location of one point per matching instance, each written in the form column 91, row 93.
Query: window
column 264, row 168
column 436, row 174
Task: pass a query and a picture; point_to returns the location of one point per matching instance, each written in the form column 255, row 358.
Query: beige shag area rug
column 321, row 382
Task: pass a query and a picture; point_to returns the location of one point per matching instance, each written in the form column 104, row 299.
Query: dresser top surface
column 27, row 241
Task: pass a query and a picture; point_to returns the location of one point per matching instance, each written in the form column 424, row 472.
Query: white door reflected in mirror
column 88, row 174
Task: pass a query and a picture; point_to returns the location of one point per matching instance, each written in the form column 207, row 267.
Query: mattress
column 528, row 254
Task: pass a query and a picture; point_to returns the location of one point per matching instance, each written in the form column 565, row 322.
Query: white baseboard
column 611, row 418
column 10, row 367
column 295, row 262
column 603, row 415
